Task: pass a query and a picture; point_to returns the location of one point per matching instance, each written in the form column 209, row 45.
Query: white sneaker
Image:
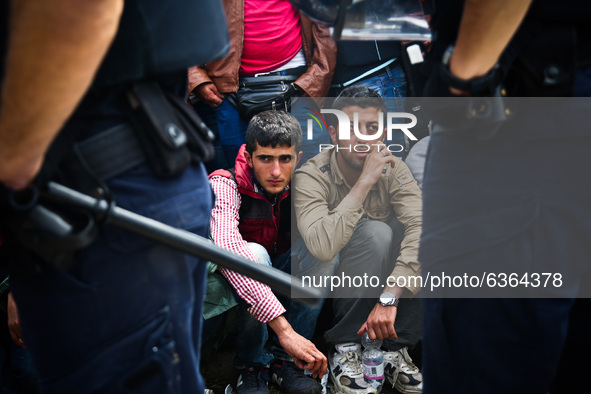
column 402, row 373
column 346, row 371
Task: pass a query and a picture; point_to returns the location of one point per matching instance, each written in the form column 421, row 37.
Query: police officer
column 506, row 195
column 125, row 315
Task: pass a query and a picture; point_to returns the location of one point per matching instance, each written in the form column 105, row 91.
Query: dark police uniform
column 516, row 202
column 126, row 317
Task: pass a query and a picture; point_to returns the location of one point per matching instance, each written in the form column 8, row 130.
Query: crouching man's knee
column 260, row 253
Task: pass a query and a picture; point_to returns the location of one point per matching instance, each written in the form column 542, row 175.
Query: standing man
column 268, row 37
column 124, row 315
column 359, row 209
column 497, row 203
column 252, row 217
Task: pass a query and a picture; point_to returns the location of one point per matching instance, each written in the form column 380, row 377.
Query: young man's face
column 353, row 152
column 272, row 167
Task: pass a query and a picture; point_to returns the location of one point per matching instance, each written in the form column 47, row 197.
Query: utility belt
column 111, row 152
column 164, row 131
column 265, row 91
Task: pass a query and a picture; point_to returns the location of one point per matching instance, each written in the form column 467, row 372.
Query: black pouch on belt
column 257, row 94
column 170, row 133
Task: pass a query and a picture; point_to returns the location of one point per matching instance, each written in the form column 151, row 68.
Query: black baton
column 185, row 241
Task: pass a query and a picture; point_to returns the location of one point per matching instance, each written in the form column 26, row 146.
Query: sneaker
column 253, row 380
column 292, row 379
column 346, row 371
column 402, row 373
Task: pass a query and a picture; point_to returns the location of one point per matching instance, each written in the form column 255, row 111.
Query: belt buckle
column 261, row 74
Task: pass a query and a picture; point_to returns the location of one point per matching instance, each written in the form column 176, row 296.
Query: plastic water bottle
column 372, row 361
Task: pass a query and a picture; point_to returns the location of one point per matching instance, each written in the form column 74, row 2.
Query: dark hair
column 273, row 128
column 360, row 96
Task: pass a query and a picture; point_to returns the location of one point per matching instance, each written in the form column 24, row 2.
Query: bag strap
column 247, row 82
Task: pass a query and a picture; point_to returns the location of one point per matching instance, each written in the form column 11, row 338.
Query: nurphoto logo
column 345, row 126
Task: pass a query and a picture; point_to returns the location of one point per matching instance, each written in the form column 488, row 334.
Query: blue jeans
column 232, row 130
column 208, row 116
column 252, row 335
column 127, row 316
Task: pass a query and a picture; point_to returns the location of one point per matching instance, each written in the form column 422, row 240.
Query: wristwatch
column 485, row 84
column 388, row 299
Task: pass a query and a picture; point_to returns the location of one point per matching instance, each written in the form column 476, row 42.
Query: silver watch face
column 388, row 299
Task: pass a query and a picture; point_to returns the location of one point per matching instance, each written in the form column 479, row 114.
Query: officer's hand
column 209, row 93
column 13, row 323
column 380, row 323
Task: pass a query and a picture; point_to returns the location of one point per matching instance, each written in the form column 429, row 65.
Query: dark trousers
column 127, row 316
column 372, row 251
column 515, row 203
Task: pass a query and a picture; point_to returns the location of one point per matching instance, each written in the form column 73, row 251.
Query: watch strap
column 476, row 85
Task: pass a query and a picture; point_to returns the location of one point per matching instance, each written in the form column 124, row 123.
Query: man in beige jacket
column 358, row 208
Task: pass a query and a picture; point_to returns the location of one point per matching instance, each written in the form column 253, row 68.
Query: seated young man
column 252, row 217
column 359, row 207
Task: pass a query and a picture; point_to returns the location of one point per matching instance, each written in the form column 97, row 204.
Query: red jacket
column 263, row 222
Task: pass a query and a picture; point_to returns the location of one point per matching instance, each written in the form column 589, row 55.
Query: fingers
column 17, row 337
column 214, row 103
column 317, row 364
column 393, row 334
column 210, row 94
column 302, row 364
column 217, row 93
column 372, row 331
column 387, row 155
column 15, row 332
column 323, row 368
column 213, row 100
column 363, row 329
column 215, row 96
column 319, row 368
column 380, row 323
column 13, row 322
column 382, row 331
column 306, row 355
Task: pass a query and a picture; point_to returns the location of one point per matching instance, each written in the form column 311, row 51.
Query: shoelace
column 406, row 364
column 351, row 364
column 392, row 358
column 402, row 363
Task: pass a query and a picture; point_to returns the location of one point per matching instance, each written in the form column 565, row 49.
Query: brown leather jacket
column 319, row 49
